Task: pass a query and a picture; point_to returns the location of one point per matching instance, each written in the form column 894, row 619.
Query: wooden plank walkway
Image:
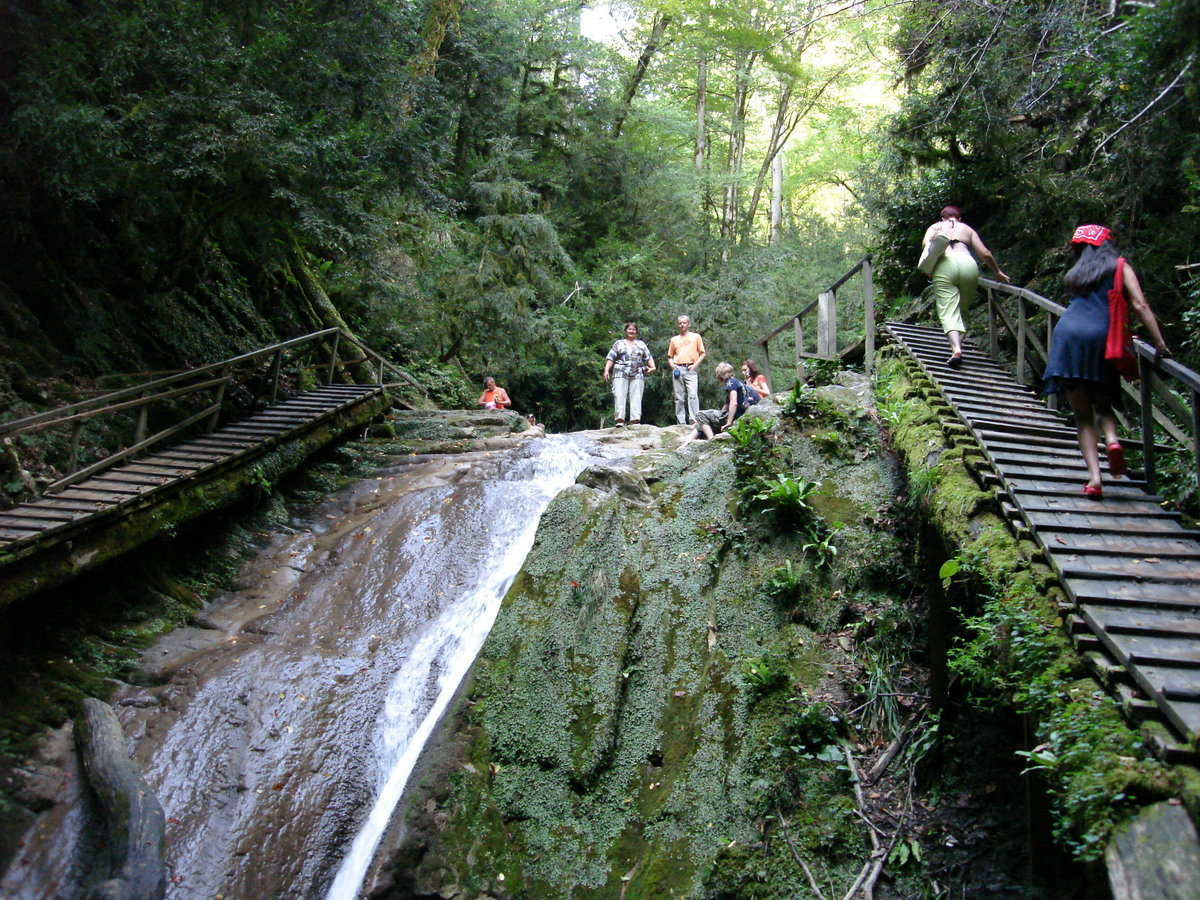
column 1130, row 567
column 106, row 495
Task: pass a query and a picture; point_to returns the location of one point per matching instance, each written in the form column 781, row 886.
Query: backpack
column 747, row 396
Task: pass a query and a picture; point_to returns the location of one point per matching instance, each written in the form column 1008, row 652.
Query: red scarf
column 1118, row 349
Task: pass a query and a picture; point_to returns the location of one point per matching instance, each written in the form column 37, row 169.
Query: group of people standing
column 1090, row 346
column 630, row 360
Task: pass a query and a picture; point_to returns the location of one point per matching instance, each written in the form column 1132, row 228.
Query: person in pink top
column 754, row 378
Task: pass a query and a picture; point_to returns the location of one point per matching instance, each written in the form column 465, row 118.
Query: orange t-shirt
column 684, row 350
column 496, row 396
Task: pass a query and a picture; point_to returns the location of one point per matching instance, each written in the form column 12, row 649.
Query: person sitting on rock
column 714, row 421
column 755, row 378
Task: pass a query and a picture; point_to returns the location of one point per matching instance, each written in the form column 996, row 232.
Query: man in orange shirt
column 493, row 397
column 685, row 352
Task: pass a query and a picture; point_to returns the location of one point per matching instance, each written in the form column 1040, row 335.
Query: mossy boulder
column 630, row 727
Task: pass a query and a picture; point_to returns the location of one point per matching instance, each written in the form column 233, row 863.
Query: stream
column 289, row 720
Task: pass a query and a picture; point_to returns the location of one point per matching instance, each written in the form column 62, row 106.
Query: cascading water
column 305, row 699
column 440, row 657
column 267, row 749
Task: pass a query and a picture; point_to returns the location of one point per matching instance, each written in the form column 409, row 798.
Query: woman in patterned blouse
column 625, row 366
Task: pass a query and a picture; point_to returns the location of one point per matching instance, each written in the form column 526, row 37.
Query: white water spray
column 447, row 647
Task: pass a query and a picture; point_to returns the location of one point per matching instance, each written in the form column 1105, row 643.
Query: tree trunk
column 133, row 818
column 776, row 198
column 439, row 17
column 656, row 33
column 737, row 147
column 323, row 314
column 701, row 111
column 781, row 130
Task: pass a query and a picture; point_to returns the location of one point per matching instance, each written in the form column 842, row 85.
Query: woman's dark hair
column 951, row 212
column 752, row 367
column 1094, row 266
column 627, row 324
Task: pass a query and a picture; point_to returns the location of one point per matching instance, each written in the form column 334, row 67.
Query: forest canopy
column 476, row 187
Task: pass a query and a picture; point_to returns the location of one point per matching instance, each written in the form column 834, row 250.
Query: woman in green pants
column 956, row 276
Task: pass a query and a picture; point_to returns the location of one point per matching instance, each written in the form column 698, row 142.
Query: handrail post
column 1022, row 327
column 827, row 324
column 218, row 399
column 1146, row 371
column 276, row 363
column 74, row 464
column 333, row 357
column 766, row 360
column 1196, row 435
column 868, row 317
column 993, row 326
column 799, row 349
column 139, row 432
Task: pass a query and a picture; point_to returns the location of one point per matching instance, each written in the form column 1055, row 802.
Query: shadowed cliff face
column 646, row 698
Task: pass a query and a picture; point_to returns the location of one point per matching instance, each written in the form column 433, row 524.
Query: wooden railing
column 1167, row 396
column 825, row 308
column 213, row 384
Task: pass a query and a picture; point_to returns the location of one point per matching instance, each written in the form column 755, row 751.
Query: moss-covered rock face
column 646, row 701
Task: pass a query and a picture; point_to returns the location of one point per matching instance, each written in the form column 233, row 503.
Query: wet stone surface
column 258, row 725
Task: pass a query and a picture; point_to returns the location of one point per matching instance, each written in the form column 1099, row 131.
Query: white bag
column 932, row 253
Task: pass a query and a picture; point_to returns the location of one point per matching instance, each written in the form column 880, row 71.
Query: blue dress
column 1077, row 349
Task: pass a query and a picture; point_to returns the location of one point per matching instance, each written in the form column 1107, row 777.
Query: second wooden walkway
column 43, row 527
column 1130, row 568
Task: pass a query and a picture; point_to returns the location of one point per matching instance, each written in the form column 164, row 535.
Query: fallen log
column 133, row 818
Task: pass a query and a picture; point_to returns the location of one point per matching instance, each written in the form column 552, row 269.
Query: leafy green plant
column 260, row 481
column 801, row 401
column 881, row 709
column 785, row 585
column 822, row 371
column 764, row 675
column 786, row 496
column 921, row 484
column 820, row 542
column 905, row 854
column 754, row 447
column 927, row 737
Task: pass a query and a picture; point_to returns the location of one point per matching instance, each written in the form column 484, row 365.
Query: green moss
column 615, row 703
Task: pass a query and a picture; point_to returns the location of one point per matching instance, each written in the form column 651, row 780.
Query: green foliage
column 820, row 543
column 260, row 481
column 786, row 497
column 1100, row 126
column 786, row 585
column 906, row 853
column 764, row 675
column 821, row 371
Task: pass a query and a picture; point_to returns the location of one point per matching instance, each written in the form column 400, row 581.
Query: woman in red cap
column 1077, row 366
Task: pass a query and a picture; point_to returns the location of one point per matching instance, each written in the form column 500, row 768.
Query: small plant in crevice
column 880, row 707
column 260, row 481
column 820, row 543
column 921, row 485
column 764, row 675
column 786, row 585
column 905, row 854
column 786, row 498
column 754, row 447
column 926, row 737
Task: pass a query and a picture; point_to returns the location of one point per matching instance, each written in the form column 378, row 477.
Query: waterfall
column 444, row 651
